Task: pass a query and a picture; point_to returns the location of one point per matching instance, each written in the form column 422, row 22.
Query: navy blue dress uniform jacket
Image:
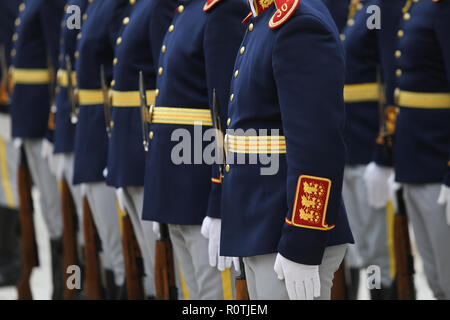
column 34, row 60
column 288, row 76
column 368, row 52
column 95, row 48
column 197, row 56
column 8, row 14
column 422, row 138
column 142, row 34
column 339, row 11
column 64, row 134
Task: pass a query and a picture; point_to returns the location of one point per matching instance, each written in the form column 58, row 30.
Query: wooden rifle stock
column 92, row 265
column 69, row 238
column 28, row 241
column 164, row 267
column 404, row 278
column 241, row 283
column 133, row 261
column 339, row 289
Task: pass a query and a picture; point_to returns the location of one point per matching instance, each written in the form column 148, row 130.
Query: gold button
column 17, row 22
column 236, row 73
column 90, row 1
column 250, row 27
column 22, row 7
column 232, row 97
column 180, row 8
column 76, row 54
column 163, row 49
column 160, row 70
column 111, row 124
column 398, row 73
column 359, row 6
column 132, row 2
column 66, row 7
column 400, row 33
column 171, row 28
column 79, row 36
column 15, row 37
column 342, row 37
column 156, row 92
column 13, row 52
column 350, row 22
column 151, row 134
column 125, row 21
column 113, row 82
column 398, row 54
column 119, row 40
column 228, row 121
column 406, row 16
column 115, row 61
column 84, row 17
column 227, row 168
column 242, row 50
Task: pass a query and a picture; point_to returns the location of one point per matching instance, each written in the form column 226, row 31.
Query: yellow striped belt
column 90, row 96
column 131, row 98
column 361, row 92
column 63, row 78
column 187, row 116
column 30, row 76
column 255, row 144
column 422, row 100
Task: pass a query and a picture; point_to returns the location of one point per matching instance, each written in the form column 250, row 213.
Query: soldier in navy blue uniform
column 34, row 57
column 197, row 56
column 422, row 132
column 10, row 263
column 96, row 42
column 369, row 60
column 289, row 224
column 339, row 11
column 142, row 33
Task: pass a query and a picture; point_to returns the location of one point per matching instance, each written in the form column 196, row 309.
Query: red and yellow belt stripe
column 255, row 144
column 361, row 92
column 185, row 116
column 131, row 98
column 422, row 100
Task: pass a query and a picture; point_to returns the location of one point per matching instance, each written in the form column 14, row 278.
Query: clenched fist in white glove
column 157, row 229
column 47, row 154
column 211, row 230
column 302, row 281
column 121, row 199
column 377, row 183
column 444, row 199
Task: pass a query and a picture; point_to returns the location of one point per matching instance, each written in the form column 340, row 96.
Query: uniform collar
column 259, row 6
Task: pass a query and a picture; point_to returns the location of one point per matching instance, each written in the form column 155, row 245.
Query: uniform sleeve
column 159, row 23
column 308, row 67
column 387, row 42
column 223, row 35
column 442, row 26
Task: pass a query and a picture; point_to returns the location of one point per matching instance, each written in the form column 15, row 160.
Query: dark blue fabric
column 339, row 11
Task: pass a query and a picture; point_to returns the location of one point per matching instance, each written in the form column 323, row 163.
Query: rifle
column 241, row 283
column 91, row 249
column 106, row 101
column 29, row 252
column 51, row 91
column 146, row 114
column 133, row 261
column 403, row 283
column 164, row 267
column 69, row 238
column 4, row 86
column 339, row 289
column 71, row 92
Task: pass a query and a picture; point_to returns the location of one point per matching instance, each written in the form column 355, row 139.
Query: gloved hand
column 5, row 127
column 17, row 143
column 60, row 164
column 444, row 199
column 211, row 230
column 302, row 281
column 121, row 199
column 157, row 230
column 376, row 179
column 47, row 153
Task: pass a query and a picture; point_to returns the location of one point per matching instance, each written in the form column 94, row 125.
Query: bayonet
column 4, row 96
column 106, row 100
column 219, row 134
column 71, row 92
column 146, row 113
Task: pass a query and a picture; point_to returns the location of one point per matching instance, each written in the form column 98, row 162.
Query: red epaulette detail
column 209, row 4
column 285, row 9
column 311, row 202
column 247, row 18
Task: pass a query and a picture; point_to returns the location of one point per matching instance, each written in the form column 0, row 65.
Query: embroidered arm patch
column 310, row 205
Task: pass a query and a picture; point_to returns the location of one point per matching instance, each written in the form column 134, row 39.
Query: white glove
column 5, row 127
column 17, row 143
column 444, row 199
column 60, row 164
column 211, row 230
column 376, row 179
column 47, row 154
column 157, row 229
column 302, row 281
column 121, row 199
column 84, row 190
